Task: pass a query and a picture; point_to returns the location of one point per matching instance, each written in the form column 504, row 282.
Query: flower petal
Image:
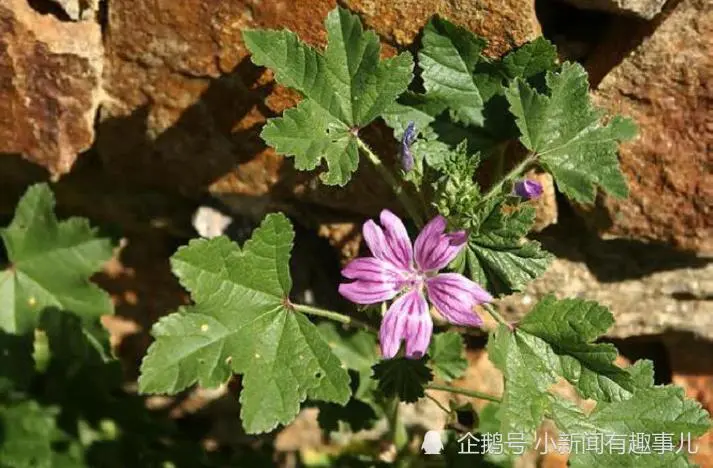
column 367, row 292
column 391, row 245
column 407, row 319
column 455, row 296
column 434, row 249
column 397, row 239
column 372, row 269
column 419, row 329
column 376, row 281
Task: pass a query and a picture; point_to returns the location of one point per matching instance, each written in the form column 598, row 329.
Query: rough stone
column 666, row 85
column 50, row 85
column 650, row 290
column 186, row 105
column 72, row 8
column 546, row 204
column 644, row 8
column 505, row 24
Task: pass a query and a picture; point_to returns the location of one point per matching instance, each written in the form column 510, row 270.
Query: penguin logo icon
column 432, row 444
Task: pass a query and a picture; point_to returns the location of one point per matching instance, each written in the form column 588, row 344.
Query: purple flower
column 411, row 272
column 407, row 141
column 528, row 189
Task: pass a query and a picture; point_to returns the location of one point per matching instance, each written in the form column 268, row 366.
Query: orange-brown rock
column 505, row 24
column 185, row 104
column 666, row 85
column 50, row 85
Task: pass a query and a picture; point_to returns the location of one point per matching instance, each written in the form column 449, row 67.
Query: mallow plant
column 468, row 129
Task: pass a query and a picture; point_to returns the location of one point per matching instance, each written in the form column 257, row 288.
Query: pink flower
column 411, row 272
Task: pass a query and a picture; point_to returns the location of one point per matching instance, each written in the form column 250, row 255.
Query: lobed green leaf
column 345, row 88
column 50, row 266
column 564, row 130
column 242, row 322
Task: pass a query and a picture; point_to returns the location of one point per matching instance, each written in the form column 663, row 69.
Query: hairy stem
column 513, row 174
column 409, row 204
column 336, row 316
column 463, row 391
column 397, row 430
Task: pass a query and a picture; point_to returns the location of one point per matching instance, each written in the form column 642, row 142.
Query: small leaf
column 447, row 356
column 242, row 322
column 447, row 58
column 564, row 129
column 345, row 88
column 498, row 256
column 403, row 377
column 50, row 266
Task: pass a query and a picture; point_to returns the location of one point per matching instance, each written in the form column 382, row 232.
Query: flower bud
column 528, row 189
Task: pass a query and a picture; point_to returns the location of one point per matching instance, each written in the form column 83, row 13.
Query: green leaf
column 403, row 377
column 345, row 88
column 27, row 431
column 556, row 339
column 50, row 266
column 447, row 355
column 75, row 356
column 309, row 133
column 447, row 58
column 562, row 332
column 242, row 322
column 654, row 411
column 525, row 401
column 357, row 350
column 491, row 78
column 498, row 256
column 564, row 130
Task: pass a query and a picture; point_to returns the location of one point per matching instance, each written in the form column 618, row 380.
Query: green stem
column 388, row 176
column 514, row 173
column 397, row 430
column 463, row 391
column 496, row 315
column 336, row 316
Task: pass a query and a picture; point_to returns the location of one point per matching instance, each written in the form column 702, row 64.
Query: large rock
column 50, row 85
column 185, row 104
column 666, row 85
column 505, row 23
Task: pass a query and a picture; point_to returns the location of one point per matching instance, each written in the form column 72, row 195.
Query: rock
column 666, row 86
column 50, row 77
column 644, row 8
column 650, row 290
column 185, row 104
column 505, row 23
column 71, row 7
